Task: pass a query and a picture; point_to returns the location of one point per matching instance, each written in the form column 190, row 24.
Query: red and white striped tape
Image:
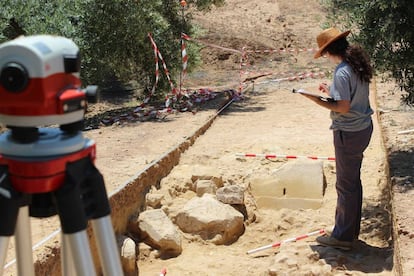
column 184, row 56
column 157, row 74
column 264, row 51
column 297, row 77
column 243, row 59
column 185, row 36
column 188, row 38
column 164, row 65
column 269, row 156
column 283, row 50
column 277, row 244
column 282, row 75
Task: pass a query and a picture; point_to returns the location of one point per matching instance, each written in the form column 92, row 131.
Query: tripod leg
column 97, row 209
column 73, row 219
column 73, row 222
column 4, row 243
column 23, row 245
column 68, row 267
column 23, row 239
column 81, row 197
column 106, row 243
column 10, row 203
column 101, row 222
column 80, row 253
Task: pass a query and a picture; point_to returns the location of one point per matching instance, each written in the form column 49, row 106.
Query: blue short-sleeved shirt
column 348, row 86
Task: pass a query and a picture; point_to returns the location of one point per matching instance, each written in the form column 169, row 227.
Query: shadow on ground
column 118, row 110
column 402, row 170
column 363, row 257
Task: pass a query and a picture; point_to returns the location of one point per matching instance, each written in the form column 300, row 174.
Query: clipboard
column 322, row 98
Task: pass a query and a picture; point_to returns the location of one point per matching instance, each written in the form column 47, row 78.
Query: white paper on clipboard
column 323, row 98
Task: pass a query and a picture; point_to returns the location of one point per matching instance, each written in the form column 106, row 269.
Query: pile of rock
column 213, row 213
column 194, row 201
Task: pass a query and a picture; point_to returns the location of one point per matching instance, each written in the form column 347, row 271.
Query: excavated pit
column 128, row 200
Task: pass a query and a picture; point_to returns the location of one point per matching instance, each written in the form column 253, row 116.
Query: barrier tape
column 264, row 51
column 164, row 65
column 184, row 57
column 284, row 156
column 188, row 38
column 243, row 61
column 319, row 232
column 301, row 76
column 157, row 74
column 295, row 78
column 226, row 86
column 283, row 50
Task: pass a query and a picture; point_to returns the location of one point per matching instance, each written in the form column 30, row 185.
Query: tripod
column 49, row 171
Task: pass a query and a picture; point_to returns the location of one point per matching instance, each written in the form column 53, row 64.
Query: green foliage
column 112, row 34
column 20, row 17
column 386, row 31
column 205, row 5
column 115, row 42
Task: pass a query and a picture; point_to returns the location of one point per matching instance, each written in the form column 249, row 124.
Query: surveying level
column 46, row 170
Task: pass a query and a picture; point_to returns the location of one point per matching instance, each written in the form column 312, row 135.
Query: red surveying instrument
column 47, row 170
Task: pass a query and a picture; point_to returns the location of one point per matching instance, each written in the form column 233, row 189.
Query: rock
column 159, row 232
column 211, row 220
column 128, row 256
column 231, row 194
column 178, row 181
column 206, row 173
column 153, row 200
column 297, row 184
column 281, row 258
column 205, row 186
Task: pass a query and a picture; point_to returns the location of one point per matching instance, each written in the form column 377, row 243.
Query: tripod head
column 40, row 85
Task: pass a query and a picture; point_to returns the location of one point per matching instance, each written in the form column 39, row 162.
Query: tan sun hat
column 326, row 37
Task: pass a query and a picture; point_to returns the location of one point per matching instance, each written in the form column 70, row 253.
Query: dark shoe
column 329, row 233
column 332, row 242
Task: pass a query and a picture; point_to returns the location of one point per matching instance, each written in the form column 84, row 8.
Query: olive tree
column 112, row 34
column 385, row 29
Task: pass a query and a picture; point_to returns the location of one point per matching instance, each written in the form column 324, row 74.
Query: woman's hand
column 324, row 88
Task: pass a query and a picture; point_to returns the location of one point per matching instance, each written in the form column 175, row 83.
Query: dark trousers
column 349, row 149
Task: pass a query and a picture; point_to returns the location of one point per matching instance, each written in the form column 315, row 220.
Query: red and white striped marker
column 184, row 57
column 296, row 78
column 164, row 65
column 163, row 272
column 283, row 50
column 157, row 74
column 319, row 232
column 284, row 156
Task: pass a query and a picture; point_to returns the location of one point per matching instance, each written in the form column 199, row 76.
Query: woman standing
column 352, row 129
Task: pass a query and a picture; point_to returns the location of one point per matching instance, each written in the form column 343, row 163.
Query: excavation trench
column 128, row 199
column 217, row 149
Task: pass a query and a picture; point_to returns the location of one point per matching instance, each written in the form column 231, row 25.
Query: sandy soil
column 270, row 119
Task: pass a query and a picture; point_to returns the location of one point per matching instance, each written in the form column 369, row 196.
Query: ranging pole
column 284, row 156
column 322, row 231
column 183, row 4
